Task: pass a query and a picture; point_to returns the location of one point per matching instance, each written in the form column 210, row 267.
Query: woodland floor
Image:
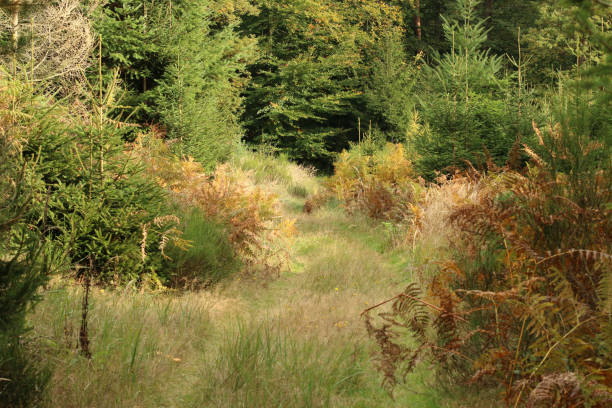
column 296, row 341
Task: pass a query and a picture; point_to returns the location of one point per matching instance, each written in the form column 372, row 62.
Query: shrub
column 457, row 134
column 209, row 256
column 465, row 102
column 227, row 197
column 316, row 201
column 198, row 98
column 523, row 305
column 97, row 198
column 379, row 183
column 24, row 378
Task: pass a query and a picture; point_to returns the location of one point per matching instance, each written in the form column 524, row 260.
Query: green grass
column 208, row 259
column 298, row 190
column 266, row 167
column 264, row 365
column 139, row 343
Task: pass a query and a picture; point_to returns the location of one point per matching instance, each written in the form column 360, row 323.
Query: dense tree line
column 309, row 77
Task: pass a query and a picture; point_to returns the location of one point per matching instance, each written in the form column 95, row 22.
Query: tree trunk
column 84, row 331
column 15, row 26
column 14, row 7
column 417, row 20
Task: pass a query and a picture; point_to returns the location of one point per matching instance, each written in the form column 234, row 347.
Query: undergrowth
column 522, row 305
column 381, row 184
column 230, row 197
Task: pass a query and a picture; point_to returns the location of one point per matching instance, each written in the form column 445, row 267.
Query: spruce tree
column 389, row 96
column 198, row 98
column 307, row 91
column 23, row 268
column 462, row 99
column 182, row 64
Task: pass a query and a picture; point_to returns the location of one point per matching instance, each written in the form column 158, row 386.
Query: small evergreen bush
column 464, row 100
column 198, row 98
column 97, row 198
column 461, row 133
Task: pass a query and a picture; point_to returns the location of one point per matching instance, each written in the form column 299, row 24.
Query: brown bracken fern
column 525, row 303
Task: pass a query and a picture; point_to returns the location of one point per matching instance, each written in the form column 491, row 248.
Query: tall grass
column 275, row 171
column 210, row 256
column 162, row 350
column 266, row 167
column 263, row 365
column 141, row 346
column 343, row 265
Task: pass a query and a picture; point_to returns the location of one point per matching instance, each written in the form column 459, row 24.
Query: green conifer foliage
column 463, row 99
column 308, row 84
column 557, row 46
column 389, row 96
column 23, row 267
column 198, row 97
column 183, row 65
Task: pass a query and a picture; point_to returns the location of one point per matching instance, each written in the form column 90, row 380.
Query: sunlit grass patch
column 142, row 344
column 341, row 264
column 265, row 167
column 263, row 365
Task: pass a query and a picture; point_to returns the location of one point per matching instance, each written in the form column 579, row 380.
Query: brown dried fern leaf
column 557, row 391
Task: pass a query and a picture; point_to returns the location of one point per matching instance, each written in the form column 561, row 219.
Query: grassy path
column 297, row 341
column 340, row 267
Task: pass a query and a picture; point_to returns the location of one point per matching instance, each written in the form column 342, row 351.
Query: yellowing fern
column 381, row 185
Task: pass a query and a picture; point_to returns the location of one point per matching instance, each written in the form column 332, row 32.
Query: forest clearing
column 309, row 203
column 297, row 340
